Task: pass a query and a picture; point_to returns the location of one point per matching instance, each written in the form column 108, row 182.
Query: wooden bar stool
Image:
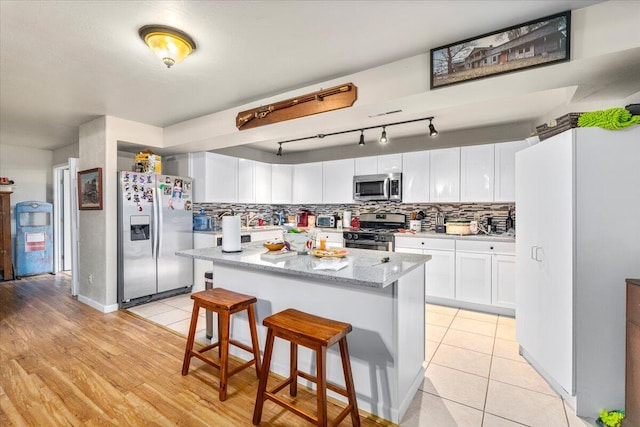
column 316, row 333
column 225, row 303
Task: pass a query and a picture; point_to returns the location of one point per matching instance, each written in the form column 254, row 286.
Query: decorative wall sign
column 90, row 189
column 313, row 103
column 536, row 43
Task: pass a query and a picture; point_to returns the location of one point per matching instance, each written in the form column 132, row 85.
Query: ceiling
column 64, row 63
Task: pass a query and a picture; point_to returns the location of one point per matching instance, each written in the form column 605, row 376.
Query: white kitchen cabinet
column 246, row 181
column 334, row 239
column 215, row 178
column 477, row 173
column 390, row 163
column 415, row 177
column 281, row 183
column 440, row 269
column 337, row 177
column 367, row 165
column 504, row 189
column 307, row 183
column 473, row 277
column 572, row 264
column 262, row 182
column 503, row 281
column 444, row 175
column 264, row 235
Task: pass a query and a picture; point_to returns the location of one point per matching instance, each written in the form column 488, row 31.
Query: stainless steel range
column 375, row 232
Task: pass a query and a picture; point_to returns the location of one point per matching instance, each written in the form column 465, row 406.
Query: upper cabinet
column 389, row 163
column 246, row 181
column 476, row 173
column 444, row 175
column 215, row 177
column 262, row 182
column 307, row 183
column 337, row 181
column 415, row 177
column 281, row 183
column 505, row 170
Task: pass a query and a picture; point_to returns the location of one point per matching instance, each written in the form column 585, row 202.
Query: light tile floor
column 474, row 374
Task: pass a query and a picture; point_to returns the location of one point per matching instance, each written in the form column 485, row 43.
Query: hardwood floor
column 64, row 363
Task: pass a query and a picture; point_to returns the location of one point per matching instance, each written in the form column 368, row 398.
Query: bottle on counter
column 509, row 222
column 489, row 225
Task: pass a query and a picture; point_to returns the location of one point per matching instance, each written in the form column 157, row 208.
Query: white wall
column 30, row 169
column 61, row 155
column 98, row 228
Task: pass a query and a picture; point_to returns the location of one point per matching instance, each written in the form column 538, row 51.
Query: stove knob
column 348, row 236
column 355, row 237
column 376, row 238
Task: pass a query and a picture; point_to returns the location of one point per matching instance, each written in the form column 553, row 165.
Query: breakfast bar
column 382, row 300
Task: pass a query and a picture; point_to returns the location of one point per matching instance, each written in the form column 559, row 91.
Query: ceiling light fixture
column 169, row 44
column 383, row 136
column 361, row 130
column 432, row 129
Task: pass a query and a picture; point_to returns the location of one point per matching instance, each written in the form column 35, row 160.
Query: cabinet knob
column 491, row 247
column 422, row 243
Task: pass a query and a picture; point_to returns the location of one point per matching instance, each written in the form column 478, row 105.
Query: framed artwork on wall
column 90, row 189
column 535, row 43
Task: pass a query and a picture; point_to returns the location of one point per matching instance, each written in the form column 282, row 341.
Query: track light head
column 361, row 143
column 432, row 129
column 383, row 137
column 279, row 153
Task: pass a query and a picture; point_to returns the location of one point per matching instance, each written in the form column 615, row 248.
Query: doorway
column 65, row 214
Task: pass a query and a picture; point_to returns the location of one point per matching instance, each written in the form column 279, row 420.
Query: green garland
column 612, row 119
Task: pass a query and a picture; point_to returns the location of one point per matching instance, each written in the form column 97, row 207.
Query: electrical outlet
column 90, row 278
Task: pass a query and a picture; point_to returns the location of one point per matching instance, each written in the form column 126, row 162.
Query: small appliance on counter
column 302, row 218
column 440, row 227
column 460, row 227
column 201, row 221
column 326, row 221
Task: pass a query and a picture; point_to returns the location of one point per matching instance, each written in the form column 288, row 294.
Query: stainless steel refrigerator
column 154, row 221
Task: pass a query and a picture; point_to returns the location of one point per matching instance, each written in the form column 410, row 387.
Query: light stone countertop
column 478, row 237
column 363, row 266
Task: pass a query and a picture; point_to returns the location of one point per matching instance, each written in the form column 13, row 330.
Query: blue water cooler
column 34, row 238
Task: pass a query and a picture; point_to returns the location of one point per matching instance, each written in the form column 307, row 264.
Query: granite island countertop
column 363, row 267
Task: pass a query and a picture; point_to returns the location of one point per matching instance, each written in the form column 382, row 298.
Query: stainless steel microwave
column 386, row 186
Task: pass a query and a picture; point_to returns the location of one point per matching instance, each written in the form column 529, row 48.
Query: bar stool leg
column 224, row 359
column 348, row 380
column 264, row 377
column 293, row 369
column 321, row 356
column 218, row 315
column 254, row 338
column 190, row 338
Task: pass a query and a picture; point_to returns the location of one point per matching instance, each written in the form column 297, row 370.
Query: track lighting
column 432, row 128
column 383, row 136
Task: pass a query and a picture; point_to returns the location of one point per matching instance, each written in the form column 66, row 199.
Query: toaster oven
column 326, row 221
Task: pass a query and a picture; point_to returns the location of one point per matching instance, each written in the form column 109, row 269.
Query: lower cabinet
column 473, row 277
column 470, row 274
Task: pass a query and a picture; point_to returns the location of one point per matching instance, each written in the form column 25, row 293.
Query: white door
column 367, row 165
column 75, row 231
column 440, row 274
column 444, row 178
column 473, row 277
column 262, row 182
column 415, row 177
column 505, row 170
column 307, row 183
column 337, row 181
column 476, row 173
column 390, row 163
column 246, row 181
column 281, row 183
column 503, row 281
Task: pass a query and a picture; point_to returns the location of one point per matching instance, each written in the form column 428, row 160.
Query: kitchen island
column 384, row 302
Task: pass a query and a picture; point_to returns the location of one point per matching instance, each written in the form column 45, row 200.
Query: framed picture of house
column 90, row 189
column 536, row 43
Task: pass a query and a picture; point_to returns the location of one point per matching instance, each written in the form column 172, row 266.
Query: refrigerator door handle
column 154, row 232
column 160, row 220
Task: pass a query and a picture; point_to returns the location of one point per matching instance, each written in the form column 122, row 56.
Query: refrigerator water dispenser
column 140, row 227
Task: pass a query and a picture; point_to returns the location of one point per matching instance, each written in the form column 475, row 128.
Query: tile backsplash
column 497, row 211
